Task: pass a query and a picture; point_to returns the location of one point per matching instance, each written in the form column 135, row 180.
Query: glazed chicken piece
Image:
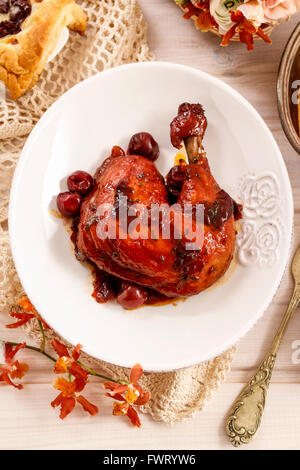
column 165, row 265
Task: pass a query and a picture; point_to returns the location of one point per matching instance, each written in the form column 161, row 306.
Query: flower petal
column 23, row 318
column 61, row 365
column 120, row 409
column 134, row 417
column 136, row 373
column 119, row 389
column 10, row 351
column 76, row 352
column 18, row 370
column 230, row 33
column 63, row 385
column 6, row 378
column 78, row 371
column 57, row 401
column 247, row 38
column 67, row 405
column 117, row 396
column 263, row 36
column 143, row 399
column 60, row 348
column 110, row 385
column 87, row 406
column 26, row 305
column 80, row 383
column 132, row 394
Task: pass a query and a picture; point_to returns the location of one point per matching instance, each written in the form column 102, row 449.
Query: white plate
column 77, row 132
column 62, row 40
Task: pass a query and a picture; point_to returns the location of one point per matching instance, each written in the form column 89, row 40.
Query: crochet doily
column 116, row 35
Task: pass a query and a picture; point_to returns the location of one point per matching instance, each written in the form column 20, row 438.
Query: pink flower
column 276, row 10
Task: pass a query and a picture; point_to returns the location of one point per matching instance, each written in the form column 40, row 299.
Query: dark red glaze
column 132, row 297
column 105, row 288
column 190, row 121
column 80, row 182
column 143, row 144
column 68, row 204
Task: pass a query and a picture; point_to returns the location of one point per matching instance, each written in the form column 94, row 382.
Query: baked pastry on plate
column 29, row 31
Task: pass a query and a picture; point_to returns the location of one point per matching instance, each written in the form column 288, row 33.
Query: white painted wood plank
column 28, row 422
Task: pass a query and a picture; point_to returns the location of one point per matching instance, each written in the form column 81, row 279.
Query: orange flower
column 24, row 317
column 12, row 369
column 245, row 29
column 128, row 394
column 70, row 389
column 66, row 363
column 69, row 395
column 201, row 10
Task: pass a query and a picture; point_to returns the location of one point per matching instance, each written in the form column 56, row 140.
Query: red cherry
column 132, row 297
column 68, row 204
column 80, row 182
column 175, row 179
column 143, row 144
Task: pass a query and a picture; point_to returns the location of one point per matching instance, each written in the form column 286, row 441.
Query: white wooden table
column 28, row 421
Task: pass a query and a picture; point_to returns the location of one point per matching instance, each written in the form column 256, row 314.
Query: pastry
column 29, row 31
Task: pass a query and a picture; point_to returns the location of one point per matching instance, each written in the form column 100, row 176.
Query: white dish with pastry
column 31, row 33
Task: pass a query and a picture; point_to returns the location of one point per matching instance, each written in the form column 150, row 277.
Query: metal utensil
column 245, row 415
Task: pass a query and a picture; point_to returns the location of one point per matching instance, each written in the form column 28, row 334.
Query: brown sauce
column 107, row 286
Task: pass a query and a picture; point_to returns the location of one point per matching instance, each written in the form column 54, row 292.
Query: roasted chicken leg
column 162, row 264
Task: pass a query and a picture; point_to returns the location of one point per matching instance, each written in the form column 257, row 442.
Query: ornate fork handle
column 246, row 413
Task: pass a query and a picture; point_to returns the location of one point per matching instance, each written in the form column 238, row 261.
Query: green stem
column 90, row 371
column 33, row 349
column 43, row 343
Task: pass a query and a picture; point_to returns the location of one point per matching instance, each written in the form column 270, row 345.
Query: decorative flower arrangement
column 127, row 394
column 239, row 20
